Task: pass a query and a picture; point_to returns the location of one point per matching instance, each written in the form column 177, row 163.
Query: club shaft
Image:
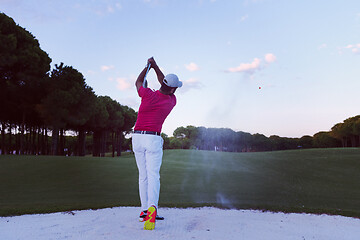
column 145, row 81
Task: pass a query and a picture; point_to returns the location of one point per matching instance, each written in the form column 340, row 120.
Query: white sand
column 197, row 223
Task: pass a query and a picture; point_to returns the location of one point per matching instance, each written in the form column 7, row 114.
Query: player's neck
column 165, row 93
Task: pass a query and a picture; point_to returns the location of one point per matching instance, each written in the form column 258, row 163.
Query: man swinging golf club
column 146, row 141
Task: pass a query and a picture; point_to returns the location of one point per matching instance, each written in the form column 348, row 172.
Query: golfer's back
column 154, row 109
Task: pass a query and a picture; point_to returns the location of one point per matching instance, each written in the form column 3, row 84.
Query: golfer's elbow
column 137, row 86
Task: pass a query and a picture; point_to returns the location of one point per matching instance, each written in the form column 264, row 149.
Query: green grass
column 31, row 184
column 313, row 181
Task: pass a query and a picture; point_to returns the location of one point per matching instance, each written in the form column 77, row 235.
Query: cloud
column 247, row 67
column 123, row 83
column 192, row 67
column 118, row 6
column 110, row 9
column 106, row 68
column 355, row 48
column 243, row 18
column 255, row 65
column 324, row 45
column 270, row 58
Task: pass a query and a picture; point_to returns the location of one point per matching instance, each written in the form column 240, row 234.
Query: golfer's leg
column 139, row 152
column 154, row 156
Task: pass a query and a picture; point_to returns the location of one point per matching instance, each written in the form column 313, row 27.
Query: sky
column 274, row 67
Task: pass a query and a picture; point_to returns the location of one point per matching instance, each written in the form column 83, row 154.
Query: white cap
column 171, row 80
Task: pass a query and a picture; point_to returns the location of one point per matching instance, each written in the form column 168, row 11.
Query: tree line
column 344, row 134
column 39, row 107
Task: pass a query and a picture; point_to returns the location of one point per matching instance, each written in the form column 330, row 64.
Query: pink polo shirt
column 154, row 109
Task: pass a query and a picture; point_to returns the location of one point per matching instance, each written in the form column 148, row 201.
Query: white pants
column 148, row 151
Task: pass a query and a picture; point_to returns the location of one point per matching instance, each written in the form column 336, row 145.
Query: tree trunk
column 96, row 144
column 113, row 144
column 103, row 143
column 46, row 142
column 81, row 143
column 3, row 151
column 32, row 141
column 54, row 141
column 38, row 141
column 119, row 138
column 22, row 135
column 9, row 146
column 43, row 142
column 27, row 146
column 353, row 141
column 61, row 142
column 102, row 154
column 17, row 140
column 64, row 144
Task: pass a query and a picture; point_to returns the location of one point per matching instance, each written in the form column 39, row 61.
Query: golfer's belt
column 147, row 132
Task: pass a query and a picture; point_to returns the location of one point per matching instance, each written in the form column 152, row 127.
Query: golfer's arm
column 140, row 79
column 159, row 74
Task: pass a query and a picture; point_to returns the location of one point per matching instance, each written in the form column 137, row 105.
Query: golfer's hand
column 152, row 62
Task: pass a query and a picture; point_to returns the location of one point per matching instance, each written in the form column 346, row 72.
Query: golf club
column 145, row 81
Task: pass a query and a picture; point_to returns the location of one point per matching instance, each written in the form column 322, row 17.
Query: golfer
column 146, row 140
